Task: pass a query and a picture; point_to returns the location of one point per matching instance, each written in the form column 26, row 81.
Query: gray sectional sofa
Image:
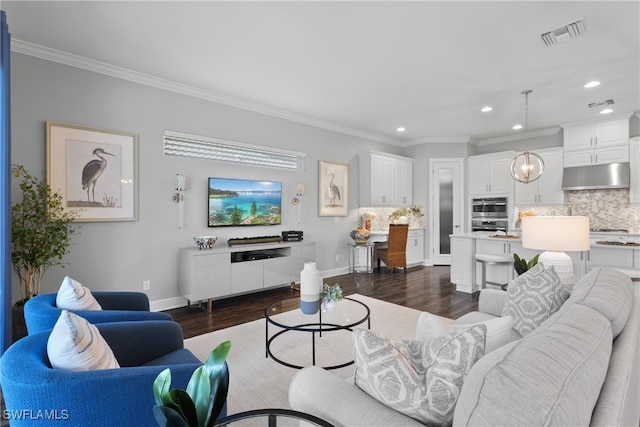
column 581, row 366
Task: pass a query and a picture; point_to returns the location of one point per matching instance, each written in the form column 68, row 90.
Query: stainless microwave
column 489, row 207
column 489, row 214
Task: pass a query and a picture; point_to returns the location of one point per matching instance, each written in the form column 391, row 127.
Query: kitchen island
column 616, row 250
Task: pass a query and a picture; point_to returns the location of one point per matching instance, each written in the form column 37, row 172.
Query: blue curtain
column 5, row 186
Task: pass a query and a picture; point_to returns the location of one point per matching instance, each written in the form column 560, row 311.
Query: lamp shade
column 556, row 233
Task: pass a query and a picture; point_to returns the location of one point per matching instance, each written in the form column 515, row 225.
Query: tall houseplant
column 40, row 232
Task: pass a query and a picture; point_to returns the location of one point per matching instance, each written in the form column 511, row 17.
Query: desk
column 360, row 258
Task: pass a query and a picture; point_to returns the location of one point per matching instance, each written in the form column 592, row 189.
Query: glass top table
column 346, row 315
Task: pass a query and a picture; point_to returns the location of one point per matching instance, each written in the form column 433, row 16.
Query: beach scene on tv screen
column 244, row 202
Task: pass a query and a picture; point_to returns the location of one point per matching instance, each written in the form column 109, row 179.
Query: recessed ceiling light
column 516, row 127
column 606, row 111
column 486, row 109
column 401, row 129
column 592, row 84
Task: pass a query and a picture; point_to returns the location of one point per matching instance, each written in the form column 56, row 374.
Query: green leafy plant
column 410, row 211
column 331, row 292
column 40, row 232
column 203, row 400
column 521, row 265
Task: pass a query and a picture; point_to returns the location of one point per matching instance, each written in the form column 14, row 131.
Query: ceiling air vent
column 602, row 104
column 563, row 34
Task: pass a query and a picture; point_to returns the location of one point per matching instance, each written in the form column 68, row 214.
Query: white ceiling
column 363, row 67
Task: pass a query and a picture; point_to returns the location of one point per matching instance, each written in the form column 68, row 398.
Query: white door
column 447, row 206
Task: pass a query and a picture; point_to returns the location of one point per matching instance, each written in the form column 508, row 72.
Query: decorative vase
column 360, row 236
column 329, row 304
column 403, row 220
column 310, row 288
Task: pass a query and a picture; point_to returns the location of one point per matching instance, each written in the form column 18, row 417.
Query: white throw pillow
column 76, row 345
column 430, row 326
column 72, row 295
column 498, row 331
column 533, row 297
column 421, row 379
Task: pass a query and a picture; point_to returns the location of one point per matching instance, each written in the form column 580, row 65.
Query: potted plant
column 40, row 234
column 396, row 216
column 521, row 265
column 202, row 402
column 330, row 295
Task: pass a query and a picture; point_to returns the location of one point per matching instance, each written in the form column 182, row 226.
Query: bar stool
column 490, row 259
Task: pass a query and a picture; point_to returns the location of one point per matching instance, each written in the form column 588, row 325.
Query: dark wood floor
column 422, row 288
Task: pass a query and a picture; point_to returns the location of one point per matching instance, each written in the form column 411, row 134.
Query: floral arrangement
column 412, row 210
column 331, row 292
column 369, row 215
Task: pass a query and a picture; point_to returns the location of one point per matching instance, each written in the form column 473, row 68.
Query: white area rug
column 258, row 382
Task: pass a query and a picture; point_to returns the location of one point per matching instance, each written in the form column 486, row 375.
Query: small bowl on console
column 205, row 242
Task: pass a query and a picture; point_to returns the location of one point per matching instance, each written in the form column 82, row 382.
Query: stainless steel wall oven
column 489, row 214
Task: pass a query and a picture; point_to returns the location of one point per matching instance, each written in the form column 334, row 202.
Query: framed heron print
column 333, row 191
column 95, row 171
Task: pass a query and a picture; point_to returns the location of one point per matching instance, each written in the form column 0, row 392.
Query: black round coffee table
column 347, row 314
column 272, row 417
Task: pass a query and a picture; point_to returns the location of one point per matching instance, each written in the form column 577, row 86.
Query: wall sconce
column 299, row 193
column 297, row 201
column 179, row 198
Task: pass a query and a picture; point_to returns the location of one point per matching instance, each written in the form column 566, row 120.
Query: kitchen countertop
column 615, row 237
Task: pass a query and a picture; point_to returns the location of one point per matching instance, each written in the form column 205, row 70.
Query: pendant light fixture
column 526, row 167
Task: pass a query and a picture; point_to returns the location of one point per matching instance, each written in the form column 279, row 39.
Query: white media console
column 208, row 274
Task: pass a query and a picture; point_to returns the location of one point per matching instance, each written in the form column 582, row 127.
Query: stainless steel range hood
column 612, row 175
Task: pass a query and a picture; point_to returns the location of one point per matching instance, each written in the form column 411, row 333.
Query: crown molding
column 509, row 138
column 436, row 140
column 65, row 58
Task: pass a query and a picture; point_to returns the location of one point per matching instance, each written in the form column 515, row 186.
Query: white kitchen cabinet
column 462, row 250
column 385, row 180
column 634, row 160
column 610, row 256
column 596, row 143
column 598, row 156
column 415, row 247
column 489, row 174
column 606, row 133
column 546, row 190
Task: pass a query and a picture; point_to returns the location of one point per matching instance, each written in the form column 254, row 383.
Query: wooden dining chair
column 395, row 254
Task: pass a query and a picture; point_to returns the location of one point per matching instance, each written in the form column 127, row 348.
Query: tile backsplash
column 382, row 221
column 605, row 208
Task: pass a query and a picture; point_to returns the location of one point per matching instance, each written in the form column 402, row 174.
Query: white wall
column 120, row 255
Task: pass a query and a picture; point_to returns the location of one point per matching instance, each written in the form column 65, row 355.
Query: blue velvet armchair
column 37, row 394
column 41, row 313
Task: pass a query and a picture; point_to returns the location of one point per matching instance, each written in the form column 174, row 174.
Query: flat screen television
column 239, row 202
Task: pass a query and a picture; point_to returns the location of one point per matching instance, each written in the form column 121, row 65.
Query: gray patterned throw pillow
column 533, row 297
column 421, row 379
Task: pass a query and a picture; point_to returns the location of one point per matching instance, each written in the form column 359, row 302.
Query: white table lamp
column 556, row 235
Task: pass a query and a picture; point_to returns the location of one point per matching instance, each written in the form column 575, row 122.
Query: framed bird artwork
column 333, row 191
column 94, row 170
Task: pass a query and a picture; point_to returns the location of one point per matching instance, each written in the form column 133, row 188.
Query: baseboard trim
column 167, row 303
